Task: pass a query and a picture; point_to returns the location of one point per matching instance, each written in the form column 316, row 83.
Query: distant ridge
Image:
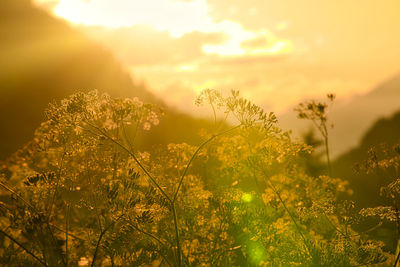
column 366, row 187
column 43, row 59
column 384, row 131
column 352, row 118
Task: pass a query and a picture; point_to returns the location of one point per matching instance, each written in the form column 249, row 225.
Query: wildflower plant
column 385, row 162
column 317, row 113
column 81, row 193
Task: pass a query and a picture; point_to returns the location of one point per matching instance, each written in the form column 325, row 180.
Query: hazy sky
column 275, row 52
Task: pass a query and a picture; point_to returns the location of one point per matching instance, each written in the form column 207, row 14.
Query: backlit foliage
column 317, row 112
column 81, row 194
column 385, row 162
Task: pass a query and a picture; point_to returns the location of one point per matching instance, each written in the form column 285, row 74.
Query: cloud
column 143, row 45
column 277, row 51
column 178, row 17
column 257, row 42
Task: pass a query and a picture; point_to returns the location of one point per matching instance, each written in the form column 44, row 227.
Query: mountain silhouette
column 382, row 136
column 352, row 117
column 385, row 131
column 43, row 59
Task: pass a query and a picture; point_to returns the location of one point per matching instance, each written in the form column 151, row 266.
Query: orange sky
column 275, row 52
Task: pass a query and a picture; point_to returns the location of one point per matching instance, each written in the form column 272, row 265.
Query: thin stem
column 334, row 226
column 137, row 127
column 227, row 251
column 328, row 160
column 53, row 238
column 397, row 259
column 148, row 234
column 178, row 244
column 135, row 158
column 290, row 215
column 222, row 121
column 18, row 196
column 126, row 138
column 66, row 235
column 57, row 183
column 153, row 237
column 179, row 252
column 368, row 230
column 100, row 237
column 195, row 154
column 215, row 114
column 23, row 247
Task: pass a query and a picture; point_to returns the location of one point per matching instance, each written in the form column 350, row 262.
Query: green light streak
column 247, row 197
column 256, row 252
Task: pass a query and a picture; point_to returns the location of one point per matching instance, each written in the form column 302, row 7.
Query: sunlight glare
column 247, row 197
column 187, row 68
column 234, row 47
column 207, row 84
column 176, row 17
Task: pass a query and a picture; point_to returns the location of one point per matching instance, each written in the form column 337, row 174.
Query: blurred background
column 275, row 52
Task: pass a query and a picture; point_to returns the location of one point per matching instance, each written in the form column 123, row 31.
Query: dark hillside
column 42, row 59
column 382, row 136
column 353, row 117
column 366, row 187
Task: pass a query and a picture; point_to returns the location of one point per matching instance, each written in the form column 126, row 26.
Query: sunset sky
column 276, row 52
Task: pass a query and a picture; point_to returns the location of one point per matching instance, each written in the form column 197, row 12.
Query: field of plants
column 81, row 193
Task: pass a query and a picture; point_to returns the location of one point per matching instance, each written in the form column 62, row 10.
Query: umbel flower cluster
column 80, row 193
